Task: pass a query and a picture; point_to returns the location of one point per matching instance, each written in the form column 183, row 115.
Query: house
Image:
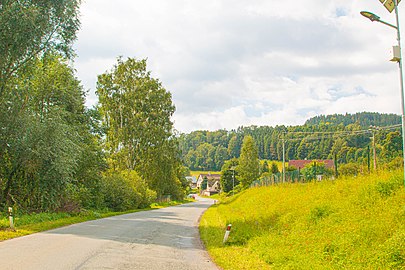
column 192, row 181
column 213, row 184
column 300, row 164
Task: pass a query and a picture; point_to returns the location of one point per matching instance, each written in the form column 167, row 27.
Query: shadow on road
column 172, row 227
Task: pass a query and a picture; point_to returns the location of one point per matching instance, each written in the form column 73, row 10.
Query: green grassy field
column 33, row 223
column 350, row 223
column 197, row 173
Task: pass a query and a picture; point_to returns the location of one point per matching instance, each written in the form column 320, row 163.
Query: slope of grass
column 350, row 223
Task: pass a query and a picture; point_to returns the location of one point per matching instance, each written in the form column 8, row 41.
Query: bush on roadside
column 349, row 169
column 126, row 190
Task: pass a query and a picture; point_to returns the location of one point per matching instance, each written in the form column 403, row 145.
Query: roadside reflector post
column 11, row 218
column 227, row 232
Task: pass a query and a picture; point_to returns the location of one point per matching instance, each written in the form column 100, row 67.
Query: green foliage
column 350, row 147
column 388, row 188
column 233, row 147
column 49, row 159
column 349, row 223
column 264, row 168
column 394, row 251
column 392, row 145
column 53, row 151
column 364, row 119
column 136, row 112
column 47, row 144
column 119, row 194
column 163, row 171
column 229, row 175
column 30, row 28
column 204, row 183
column 274, row 168
column 248, row 167
column 311, row 171
column 319, row 212
column 126, row 190
column 349, row 169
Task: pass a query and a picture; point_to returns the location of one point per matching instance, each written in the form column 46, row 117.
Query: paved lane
column 159, row 239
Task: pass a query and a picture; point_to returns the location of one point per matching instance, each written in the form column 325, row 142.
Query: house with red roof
column 300, row 164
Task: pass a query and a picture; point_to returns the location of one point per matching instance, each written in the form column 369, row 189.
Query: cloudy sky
column 231, row 63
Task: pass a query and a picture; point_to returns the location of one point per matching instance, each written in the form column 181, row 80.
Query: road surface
column 159, row 239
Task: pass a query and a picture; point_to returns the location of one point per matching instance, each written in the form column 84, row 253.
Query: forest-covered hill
column 364, row 119
column 348, row 137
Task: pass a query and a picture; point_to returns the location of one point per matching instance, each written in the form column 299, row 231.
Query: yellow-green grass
column 197, row 173
column 33, row 223
column 349, row 223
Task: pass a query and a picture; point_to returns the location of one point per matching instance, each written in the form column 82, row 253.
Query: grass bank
column 350, row 223
column 33, row 223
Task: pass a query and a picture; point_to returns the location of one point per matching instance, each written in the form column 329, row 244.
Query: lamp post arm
column 390, row 25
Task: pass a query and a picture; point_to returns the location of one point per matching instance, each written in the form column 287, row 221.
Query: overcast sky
column 231, row 63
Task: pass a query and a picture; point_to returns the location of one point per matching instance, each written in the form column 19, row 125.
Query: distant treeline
column 347, row 137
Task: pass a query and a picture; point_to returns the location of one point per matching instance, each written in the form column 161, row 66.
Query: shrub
column 126, row 190
column 349, row 169
column 119, row 193
column 139, row 185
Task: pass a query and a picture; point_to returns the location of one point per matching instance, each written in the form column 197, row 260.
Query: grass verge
column 33, row 223
column 350, row 223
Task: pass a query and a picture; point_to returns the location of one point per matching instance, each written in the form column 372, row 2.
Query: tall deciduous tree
column 44, row 142
column 249, row 164
column 136, row 111
column 28, row 28
column 38, row 144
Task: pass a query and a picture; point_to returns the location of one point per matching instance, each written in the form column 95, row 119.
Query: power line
column 335, row 134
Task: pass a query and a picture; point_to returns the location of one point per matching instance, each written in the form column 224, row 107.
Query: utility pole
column 374, row 153
column 373, row 129
column 368, row 158
column 283, row 157
column 233, row 181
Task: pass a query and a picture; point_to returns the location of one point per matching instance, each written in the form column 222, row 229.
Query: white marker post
column 227, row 232
column 11, row 218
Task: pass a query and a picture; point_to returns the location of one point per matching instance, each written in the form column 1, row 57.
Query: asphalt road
column 159, row 239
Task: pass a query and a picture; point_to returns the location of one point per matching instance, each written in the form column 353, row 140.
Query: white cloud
column 232, row 63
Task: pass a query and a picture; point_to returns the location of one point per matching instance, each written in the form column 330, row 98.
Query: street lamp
column 397, row 58
column 374, row 18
